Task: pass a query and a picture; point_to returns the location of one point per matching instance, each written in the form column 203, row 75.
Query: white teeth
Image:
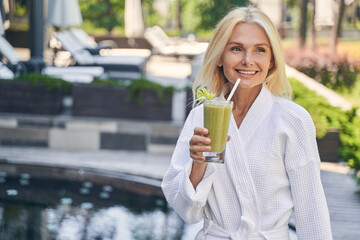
column 247, row 72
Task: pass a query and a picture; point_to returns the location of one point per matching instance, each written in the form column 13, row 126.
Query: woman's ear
column 272, row 63
column 220, row 62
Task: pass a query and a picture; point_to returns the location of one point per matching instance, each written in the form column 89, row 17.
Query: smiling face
column 247, row 56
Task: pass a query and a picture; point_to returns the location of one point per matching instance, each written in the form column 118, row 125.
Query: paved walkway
column 343, row 197
column 141, row 163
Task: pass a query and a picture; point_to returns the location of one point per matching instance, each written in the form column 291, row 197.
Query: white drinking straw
column 233, row 90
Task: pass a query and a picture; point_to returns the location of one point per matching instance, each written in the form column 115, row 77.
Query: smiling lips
column 248, row 72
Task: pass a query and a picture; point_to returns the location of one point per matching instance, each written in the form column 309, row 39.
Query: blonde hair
column 212, row 77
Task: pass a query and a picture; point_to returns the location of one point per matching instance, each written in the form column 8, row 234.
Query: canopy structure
column 134, row 24
column 64, row 13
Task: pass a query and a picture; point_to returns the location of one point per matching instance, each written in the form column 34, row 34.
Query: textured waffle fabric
column 272, row 168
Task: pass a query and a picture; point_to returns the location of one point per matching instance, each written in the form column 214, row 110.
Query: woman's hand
column 199, row 144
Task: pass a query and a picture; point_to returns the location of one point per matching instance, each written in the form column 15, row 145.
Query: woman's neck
column 243, row 98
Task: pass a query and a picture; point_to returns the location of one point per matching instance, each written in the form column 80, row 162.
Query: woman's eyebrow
column 256, row 45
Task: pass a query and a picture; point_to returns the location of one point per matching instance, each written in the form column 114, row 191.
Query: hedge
column 326, row 117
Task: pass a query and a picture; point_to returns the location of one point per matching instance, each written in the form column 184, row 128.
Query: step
column 65, row 132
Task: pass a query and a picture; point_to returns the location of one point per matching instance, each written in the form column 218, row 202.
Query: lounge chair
column 75, row 74
column 89, row 44
column 126, row 66
column 5, row 72
column 72, row 74
column 163, row 45
column 105, row 47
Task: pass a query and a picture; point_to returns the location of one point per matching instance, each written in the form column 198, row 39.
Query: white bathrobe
column 272, row 168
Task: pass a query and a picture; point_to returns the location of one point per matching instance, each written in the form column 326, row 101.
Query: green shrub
column 109, row 82
column 334, row 71
column 48, row 81
column 350, row 139
column 137, row 87
column 326, row 117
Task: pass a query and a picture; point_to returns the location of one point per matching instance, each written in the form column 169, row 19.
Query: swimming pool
column 45, row 202
column 38, row 202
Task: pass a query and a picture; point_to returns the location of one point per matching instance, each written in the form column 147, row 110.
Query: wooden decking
column 343, row 198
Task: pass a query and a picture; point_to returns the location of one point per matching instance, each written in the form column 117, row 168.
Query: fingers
column 199, row 144
column 200, row 131
column 196, row 152
column 197, row 156
column 196, row 139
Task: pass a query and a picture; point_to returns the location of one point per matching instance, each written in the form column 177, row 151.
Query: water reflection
column 50, row 207
column 11, row 192
column 114, row 223
column 59, row 209
column 84, row 191
column 104, row 195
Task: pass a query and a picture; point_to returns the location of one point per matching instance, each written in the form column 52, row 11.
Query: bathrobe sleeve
column 188, row 202
column 303, row 167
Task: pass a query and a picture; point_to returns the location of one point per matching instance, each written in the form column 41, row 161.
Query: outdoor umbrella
column 134, row 25
column 64, row 13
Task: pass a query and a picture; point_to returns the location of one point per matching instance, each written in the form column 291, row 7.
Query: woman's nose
column 247, row 59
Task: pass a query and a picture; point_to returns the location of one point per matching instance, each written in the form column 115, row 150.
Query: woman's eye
column 262, row 50
column 235, row 49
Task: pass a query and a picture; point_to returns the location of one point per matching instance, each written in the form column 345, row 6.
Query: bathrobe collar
column 257, row 112
column 237, row 163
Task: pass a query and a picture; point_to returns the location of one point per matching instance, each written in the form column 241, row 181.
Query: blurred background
column 93, row 96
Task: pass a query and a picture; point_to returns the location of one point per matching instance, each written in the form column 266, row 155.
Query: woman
column 272, row 163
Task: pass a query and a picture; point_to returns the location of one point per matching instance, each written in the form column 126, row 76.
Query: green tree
column 304, row 18
column 336, row 30
column 106, row 14
column 212, row 11
column 303, row 22
column 354, row 14
column 151, row 16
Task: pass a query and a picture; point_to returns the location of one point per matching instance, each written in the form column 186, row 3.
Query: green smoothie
column 216, row 119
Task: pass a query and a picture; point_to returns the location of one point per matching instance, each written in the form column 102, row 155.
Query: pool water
column 38, row 207
column 48, row 203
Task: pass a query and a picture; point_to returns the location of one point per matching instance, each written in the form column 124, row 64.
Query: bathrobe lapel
column 237, row 163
